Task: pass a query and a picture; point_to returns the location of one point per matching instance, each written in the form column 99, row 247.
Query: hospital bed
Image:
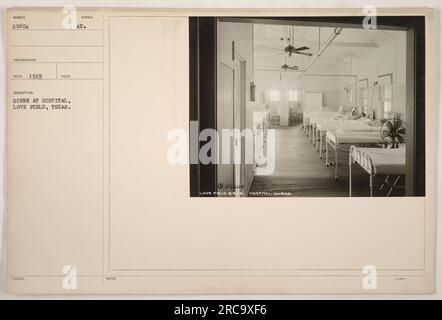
column 314, row 119
column 309, row 118
column 379, row 162
column 306, row 115
column 339, row 139
column 331, row 125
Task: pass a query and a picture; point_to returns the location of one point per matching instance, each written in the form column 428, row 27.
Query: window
column 274, row 95
column 387, row 90
column 349, row 95
column 386, row 94
column 363, row 95
column 293, row 95
column 363, row 92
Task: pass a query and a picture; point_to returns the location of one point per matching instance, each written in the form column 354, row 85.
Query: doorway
column 239, row 125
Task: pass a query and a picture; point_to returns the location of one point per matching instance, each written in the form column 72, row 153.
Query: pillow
column 340, row 130
column 375, row 123
column 341, row 109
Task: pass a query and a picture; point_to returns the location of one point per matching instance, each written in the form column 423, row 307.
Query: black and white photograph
column 308, row 107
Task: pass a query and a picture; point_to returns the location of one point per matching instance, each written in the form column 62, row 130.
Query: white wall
column 285, row 81
column 390, row 57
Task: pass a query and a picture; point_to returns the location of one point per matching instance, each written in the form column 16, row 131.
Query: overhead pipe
column 336, row 32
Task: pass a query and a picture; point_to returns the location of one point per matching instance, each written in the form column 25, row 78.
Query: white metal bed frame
column 321, row 131
column 356, row 155
column 332, row 140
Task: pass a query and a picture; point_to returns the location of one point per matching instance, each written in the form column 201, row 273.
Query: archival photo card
column 209, row 151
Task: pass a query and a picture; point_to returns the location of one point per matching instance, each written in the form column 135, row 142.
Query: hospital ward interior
column 334, row 97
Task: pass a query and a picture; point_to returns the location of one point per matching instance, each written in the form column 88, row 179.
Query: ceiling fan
column 286, row 67
column 290, row 48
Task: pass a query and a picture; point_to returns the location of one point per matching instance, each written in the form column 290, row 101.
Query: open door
column 239, row 125
column 225, row 121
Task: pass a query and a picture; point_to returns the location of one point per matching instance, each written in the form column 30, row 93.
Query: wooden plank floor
column 299, row 171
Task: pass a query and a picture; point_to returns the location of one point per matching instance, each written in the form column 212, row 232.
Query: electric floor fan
column 393, row 132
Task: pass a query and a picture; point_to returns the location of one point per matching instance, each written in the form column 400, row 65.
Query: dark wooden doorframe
column 202, row 98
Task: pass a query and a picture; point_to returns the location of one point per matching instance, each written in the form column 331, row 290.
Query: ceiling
column 270, row 40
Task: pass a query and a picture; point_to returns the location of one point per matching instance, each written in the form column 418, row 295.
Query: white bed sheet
column 313, row 119
column 356, row 137
column 354, row 125
column 384, row 161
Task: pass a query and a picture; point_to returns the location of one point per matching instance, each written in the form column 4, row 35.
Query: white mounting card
column 94, row 205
